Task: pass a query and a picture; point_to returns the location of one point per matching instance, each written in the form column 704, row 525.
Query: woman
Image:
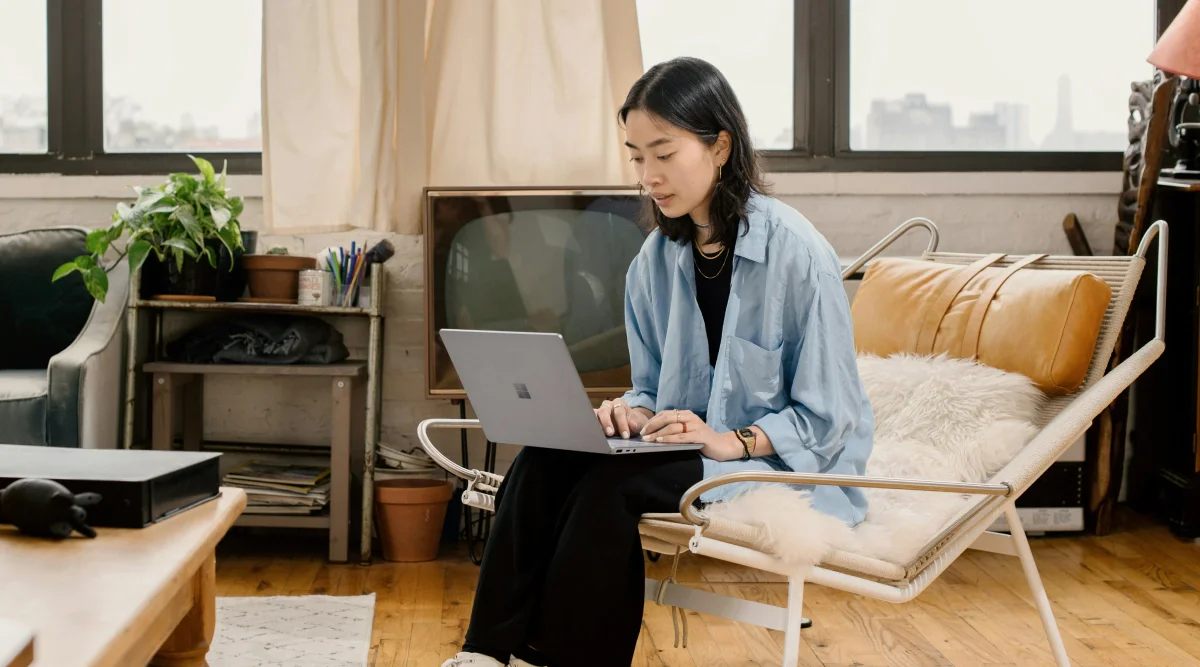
column 739, row 338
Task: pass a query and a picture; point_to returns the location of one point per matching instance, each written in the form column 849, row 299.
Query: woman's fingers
column 669, row 429
column 604, row 414
column 676, row 439
column 621, row 418
column 667, row 418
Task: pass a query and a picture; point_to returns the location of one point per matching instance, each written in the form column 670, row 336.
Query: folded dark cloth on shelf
column 260, row 339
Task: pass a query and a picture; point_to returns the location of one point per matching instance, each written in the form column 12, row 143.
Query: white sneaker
column 472, row 660
column 514, row 661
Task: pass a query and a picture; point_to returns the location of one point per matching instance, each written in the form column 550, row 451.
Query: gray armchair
column 61, row 351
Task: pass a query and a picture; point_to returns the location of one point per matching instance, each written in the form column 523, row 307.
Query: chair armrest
column 891, row 238
column 698, row 518
column 84, row 380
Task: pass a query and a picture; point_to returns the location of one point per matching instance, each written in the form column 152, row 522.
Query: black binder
column 137, row 487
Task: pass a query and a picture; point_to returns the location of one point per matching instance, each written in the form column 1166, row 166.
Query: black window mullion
column 823, row 42
column 68, row 80
column 54, row 76
column 92, row 67
column 801, row 86
column 840, row 50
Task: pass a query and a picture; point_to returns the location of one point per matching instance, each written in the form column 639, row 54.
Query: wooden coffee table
column 127, row 597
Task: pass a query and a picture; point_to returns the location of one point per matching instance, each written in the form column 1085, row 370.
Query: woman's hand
column 617, row 417
column 685, row 426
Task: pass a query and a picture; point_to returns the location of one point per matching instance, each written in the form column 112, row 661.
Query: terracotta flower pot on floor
column 409, row 514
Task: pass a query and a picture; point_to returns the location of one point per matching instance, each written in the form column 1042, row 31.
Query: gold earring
column 718, row 172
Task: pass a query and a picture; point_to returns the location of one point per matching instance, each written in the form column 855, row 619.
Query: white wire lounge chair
column 1062, row 421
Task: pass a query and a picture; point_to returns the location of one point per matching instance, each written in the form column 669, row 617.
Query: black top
column 713, row 277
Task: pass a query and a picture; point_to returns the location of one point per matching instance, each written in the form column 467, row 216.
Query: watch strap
column 745, row 436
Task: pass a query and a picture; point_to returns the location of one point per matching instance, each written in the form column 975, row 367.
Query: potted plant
column 174, row 231
column 275, row 276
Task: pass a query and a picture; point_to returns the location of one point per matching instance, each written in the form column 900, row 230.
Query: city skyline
column 912, row 122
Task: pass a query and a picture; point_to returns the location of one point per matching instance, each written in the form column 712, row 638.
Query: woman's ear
column 722, row 147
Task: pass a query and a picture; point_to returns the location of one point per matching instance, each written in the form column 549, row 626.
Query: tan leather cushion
column 1040, row 323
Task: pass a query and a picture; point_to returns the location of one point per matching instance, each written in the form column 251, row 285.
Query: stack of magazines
column 281, row 488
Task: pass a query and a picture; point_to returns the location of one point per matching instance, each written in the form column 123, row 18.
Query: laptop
column 526, row 391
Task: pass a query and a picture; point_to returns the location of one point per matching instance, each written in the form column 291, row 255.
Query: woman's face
column 676, row 168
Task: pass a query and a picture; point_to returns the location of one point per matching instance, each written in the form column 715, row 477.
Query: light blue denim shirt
column 786, row 363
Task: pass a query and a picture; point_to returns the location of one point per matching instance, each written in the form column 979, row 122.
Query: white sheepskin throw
column 936, row 418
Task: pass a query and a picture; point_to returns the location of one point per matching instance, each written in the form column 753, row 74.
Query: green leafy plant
column 173, row 220
column 277, row 250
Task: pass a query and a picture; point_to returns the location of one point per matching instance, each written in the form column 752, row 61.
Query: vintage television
column 532, row 259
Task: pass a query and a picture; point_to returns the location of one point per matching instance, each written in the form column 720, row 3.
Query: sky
column 179, row 56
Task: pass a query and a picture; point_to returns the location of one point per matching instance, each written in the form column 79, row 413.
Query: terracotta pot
column 409, row 514
column 275, row 276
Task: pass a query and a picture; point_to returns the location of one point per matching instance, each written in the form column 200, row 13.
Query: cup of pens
column 346, row 271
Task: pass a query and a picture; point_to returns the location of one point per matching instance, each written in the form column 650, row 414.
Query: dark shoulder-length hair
column 691, row 94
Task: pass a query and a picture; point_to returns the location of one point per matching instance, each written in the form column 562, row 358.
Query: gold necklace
column 723, row 263
column 705, row 255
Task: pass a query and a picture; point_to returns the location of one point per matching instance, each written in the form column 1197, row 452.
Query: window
column 1028, row 75
column 24, row 120
column 129, row 86
column 182, row 80
column 759, row 70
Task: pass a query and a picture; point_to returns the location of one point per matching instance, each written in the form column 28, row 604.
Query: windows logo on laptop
column 522, row 390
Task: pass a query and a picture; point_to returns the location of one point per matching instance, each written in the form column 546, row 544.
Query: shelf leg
column 339, row 492
column 163, row 426
column 374, row 367
column 193, row 413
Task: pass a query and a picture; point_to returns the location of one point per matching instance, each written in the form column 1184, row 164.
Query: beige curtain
column 342, row 115
column 365, row 102
column 525, row 92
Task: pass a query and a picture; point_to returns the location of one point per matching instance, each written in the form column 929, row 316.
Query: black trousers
column 563, row 569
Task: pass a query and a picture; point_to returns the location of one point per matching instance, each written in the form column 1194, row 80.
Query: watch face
column 746, row 433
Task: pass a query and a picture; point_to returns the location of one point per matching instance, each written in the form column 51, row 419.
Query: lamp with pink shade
column 1178, row 52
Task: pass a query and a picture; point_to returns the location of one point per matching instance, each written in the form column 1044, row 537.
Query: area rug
column 293, row 631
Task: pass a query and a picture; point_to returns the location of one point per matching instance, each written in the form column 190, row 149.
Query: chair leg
column 791, row 638
column 1035, row 586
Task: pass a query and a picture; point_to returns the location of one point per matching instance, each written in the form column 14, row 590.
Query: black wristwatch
column 748, row 441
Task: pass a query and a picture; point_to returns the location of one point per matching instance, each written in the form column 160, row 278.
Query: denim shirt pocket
column 754, row 382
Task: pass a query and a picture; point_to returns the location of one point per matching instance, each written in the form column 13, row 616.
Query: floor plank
column 1129, row 598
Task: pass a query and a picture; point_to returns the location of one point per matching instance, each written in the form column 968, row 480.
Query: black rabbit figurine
column 45, row 508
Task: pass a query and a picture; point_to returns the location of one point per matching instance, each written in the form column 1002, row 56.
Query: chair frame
column 969, row 531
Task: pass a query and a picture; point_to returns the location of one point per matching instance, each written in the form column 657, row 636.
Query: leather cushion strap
column 970, row 340
column 937, row 310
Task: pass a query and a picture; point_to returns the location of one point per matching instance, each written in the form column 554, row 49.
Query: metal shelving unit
column 135, row 379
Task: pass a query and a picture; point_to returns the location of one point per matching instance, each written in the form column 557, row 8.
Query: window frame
column 75, row 108
column 821, row 109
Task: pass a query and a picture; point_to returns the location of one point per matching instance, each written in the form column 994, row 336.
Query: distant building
column 914, row 124
column 23, row 125
column 1064, row 137
column 24, row 129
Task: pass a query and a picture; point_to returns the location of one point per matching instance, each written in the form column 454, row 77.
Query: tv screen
column 532, row 260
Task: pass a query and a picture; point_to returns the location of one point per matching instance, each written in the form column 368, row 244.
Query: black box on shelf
column 137, row 487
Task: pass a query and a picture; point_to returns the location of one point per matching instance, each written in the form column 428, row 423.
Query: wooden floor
column 1130, row 598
